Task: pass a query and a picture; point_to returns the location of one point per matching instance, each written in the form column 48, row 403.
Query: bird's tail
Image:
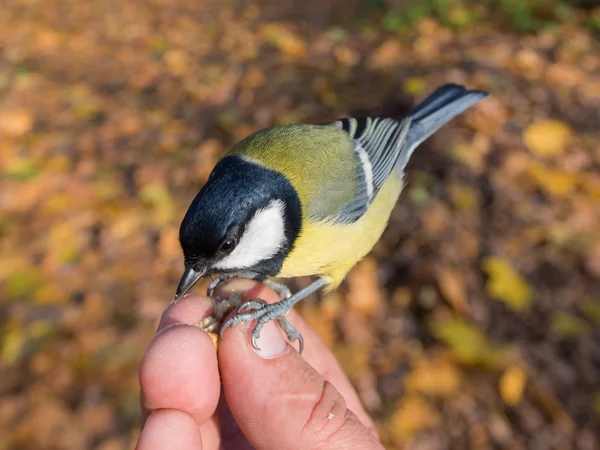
column 431, row 114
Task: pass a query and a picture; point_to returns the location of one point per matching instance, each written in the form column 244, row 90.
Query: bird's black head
column 246, row 218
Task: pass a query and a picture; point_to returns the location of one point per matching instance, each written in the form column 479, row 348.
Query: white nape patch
column 263, row 237
column 367, row 167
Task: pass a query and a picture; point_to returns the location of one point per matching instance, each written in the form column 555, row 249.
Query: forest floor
column 475, row 322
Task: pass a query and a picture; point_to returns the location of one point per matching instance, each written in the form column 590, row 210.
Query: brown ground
column 474, row 324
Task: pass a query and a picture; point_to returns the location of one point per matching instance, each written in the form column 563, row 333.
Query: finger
column 172, row 429
column 315, row 352
column 281, row 401
column 179, row 371
column 190, row 309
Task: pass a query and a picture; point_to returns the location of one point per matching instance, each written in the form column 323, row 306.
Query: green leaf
column 466, row 341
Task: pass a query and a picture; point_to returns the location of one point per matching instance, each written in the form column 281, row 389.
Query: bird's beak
column 189, row 278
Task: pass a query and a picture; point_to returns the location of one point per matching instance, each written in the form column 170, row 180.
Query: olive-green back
column 318, row 160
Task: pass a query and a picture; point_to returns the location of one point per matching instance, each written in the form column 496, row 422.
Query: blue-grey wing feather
column 380, row 145
column 377, row 146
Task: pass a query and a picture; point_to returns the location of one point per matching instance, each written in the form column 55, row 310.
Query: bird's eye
column 228, row 245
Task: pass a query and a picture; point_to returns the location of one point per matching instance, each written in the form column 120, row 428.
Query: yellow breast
column 331, row 250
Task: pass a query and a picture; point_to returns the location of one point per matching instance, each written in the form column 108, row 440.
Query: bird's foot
column 264, row 312
column 213, row 323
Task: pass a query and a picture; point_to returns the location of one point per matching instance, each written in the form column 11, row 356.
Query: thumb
column 281, row 402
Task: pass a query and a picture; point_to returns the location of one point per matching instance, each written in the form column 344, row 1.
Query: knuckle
column 327, row 416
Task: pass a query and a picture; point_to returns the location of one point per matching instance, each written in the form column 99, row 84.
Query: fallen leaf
column 15, row 123
column 554, row 182
column 155, row 194
column 591, row 307
column 564, row 75
column 284, row 39
column 529, row 62
column 452, row 287
column 547, row 137
column 506, row 284
column 512, row 385
column 414, row 86
column 466, row 341
column 23, row 283
column 13, row 340
column 388, row 54
column 412, row 416
column 463, row 196
column 568, row 326
column 178, row 62
column 436, row 376
column 20, row 168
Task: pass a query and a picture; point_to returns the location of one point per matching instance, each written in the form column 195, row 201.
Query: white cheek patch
column 263, row 237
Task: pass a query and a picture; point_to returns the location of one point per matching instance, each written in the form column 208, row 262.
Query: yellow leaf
column 469, row 156
column 84, row 103
column 506, row 285
column 591, row 183
column 464, row 197
column 547, row 137
column 414, row 86
column 64, row 243
column 20, row 168
column 554, row 182
column 512, row 385
column 155, row 194
column 51, row 293
column 178, row 62
column 13, row 340
column 437, row 376
column 288, row 42
column 412, row 416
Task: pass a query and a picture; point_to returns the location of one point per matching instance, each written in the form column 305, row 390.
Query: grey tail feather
column 431, row 114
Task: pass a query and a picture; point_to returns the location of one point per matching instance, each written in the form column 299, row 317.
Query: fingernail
column 271, row 342
column 167, row 328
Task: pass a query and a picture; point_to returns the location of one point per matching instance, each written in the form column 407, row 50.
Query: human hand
column 240, row 398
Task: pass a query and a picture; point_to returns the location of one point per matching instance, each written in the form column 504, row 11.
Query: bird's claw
column 262, row 312
column 251, row 304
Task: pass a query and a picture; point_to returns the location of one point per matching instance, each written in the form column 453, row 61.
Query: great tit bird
column 304, row 200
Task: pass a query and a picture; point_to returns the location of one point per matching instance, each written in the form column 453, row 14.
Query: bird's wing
column 377, row 144
column 382, row 144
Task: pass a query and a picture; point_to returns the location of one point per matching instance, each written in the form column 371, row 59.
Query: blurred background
column 474, row 324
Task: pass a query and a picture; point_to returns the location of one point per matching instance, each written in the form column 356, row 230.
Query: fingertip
column 190, row 309
column 180, row 371
column 169, row 428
